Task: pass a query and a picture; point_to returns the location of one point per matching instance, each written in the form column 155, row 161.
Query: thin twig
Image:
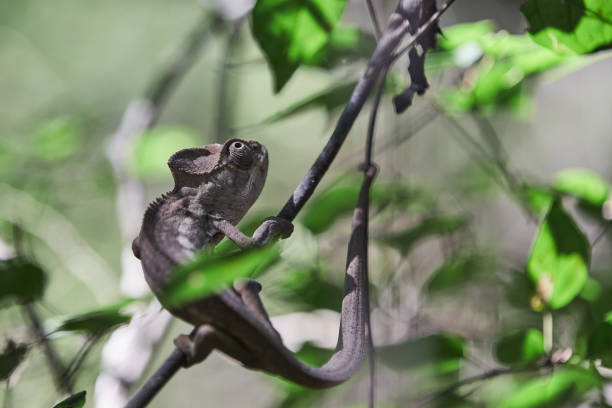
column 162, row 87
column 54, row 362
column 221, row 130
column 374, row 19
column 424, row 401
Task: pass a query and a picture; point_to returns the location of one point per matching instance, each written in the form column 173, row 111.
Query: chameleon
column 214, row 186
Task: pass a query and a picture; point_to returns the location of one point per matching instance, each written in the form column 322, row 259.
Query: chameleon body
column 215, row 185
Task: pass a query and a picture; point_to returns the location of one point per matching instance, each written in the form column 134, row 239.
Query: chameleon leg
column 248, row 290
column 201, row 342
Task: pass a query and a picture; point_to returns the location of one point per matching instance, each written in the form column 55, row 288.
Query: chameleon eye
column 240, row 154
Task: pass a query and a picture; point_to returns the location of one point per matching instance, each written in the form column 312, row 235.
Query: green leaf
column 405, row 240
column 340, row 199
column 570, row 26
column 150, row 155
column 309, row 289
column 11, row 357
column 445, row 351
column 207, row 274
column 328, row 99
column 292, row 32
column 58, row 139
column 496, row 79
column 558, row 263
column 600, row 342
column 563, row 385
column 21, row 280
column 584, row 184
column 539, row 198
column 456, row 271
column 74, row 401
column 520, row 348
column 97, row 321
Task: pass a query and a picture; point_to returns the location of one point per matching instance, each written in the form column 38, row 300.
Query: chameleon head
column 228, row 177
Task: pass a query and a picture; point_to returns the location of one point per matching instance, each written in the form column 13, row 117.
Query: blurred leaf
column 432, row 225
column 74, row 401
column 10, row 359
column 444, row 351
column 150, row 155
column 292, row 32
column 520, row 290
column 560, row 254
column 346, row 44
column 460, row 34
column 308, row 288
column 97, row 321
column 584, row 184
column 539, row 198
column 520, row 348
column 591, row 290
column 58, row 139
column 600, row 342
column 207, row 273
column 21, row 280
column 562, row 385
column 340, row 199
column 570, row 26
column 456, row 271
column 496, row 79
column 328, row 99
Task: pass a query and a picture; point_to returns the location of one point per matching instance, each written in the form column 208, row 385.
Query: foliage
column 74, row 401
column 454, row 282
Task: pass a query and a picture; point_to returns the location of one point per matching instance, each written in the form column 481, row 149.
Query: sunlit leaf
column 97, row 321
column 309, row 289
column 584, row 184
column 12, row 355
column 600, row 342
column 539, row 198
column 560, row 255
column 206, row 274
column 563, row 385
column 570, row 26
column 291, row 33
column 433, row 225
column 520, row 348
column 74, row 401
column 443, row 350
column 21, row 280
column 58, row 139
column 456, row 271
column 496, row 79
column 150, row 156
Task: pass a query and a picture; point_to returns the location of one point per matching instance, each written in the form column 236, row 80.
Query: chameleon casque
column 215, row 185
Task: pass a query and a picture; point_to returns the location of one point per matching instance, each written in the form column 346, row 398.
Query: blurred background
column 456, row 207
